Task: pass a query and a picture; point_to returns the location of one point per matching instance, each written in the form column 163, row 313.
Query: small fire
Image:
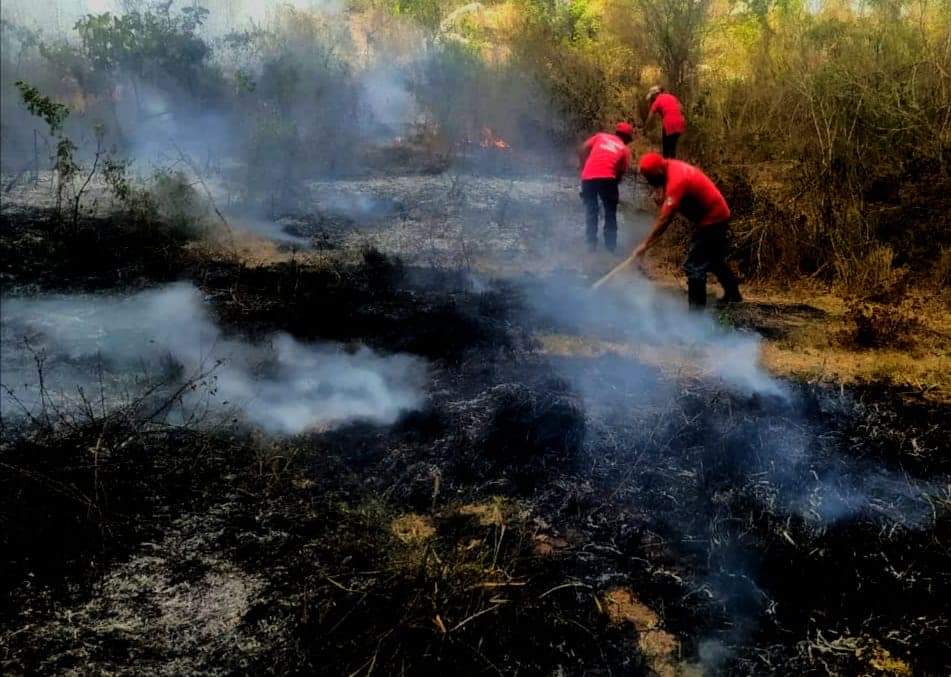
column 491, row 140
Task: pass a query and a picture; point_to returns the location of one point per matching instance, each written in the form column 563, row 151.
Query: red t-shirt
column 672, row 118
column 609, row 157
column 693, row 194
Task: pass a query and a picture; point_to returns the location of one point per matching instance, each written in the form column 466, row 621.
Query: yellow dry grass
column 488, row 514
column 547, row 546
column 622, row 606
column 659, row 647
column 813, row 349
column 412, row 528
column 882, row 661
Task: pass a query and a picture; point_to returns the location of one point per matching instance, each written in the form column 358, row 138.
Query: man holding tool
column 604, row 158
column 685, row 189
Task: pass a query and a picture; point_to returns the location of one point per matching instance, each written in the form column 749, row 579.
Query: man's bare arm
column 664, row 220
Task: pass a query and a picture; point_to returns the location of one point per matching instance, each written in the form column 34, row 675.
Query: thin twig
column 473, row 617
column 573, row 584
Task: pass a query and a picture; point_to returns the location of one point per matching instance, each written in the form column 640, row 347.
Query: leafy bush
column 826, row 126
column 837, row 126
column 177, row 202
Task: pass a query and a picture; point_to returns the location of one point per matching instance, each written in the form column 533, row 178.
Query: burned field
column 552, row 504
column 306, row 366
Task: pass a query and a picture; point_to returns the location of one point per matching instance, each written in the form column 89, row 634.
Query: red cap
column 624, row 128
column 652, row 164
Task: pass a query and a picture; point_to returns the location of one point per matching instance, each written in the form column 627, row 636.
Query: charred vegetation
column 303, row 374
column 486, row 528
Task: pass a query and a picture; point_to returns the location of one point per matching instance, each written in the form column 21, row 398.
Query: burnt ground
column 519, row 523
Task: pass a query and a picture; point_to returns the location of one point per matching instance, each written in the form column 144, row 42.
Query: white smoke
column 799, row 476
column 636, row 312
column 282, row 385
column 386, row 95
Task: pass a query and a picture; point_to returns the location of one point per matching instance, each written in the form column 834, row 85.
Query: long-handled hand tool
column 614, row 272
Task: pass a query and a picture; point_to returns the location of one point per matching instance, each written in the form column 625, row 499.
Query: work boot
column 610, row 244
column 697, row 294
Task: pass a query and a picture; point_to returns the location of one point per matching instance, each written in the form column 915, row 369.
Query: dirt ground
column 569, row 501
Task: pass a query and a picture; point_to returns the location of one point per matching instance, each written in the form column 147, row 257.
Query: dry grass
column 413, row 528
column 659, row 647
column 910, row 341
column 905, row 348
column 490, row 513
column 622, row 606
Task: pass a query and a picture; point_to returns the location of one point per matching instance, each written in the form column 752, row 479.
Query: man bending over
column 604, row 159
column 683, row 188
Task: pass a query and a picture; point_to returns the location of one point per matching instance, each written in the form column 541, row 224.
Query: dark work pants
column 605, row 190
column 669, row 145
column 708, row 252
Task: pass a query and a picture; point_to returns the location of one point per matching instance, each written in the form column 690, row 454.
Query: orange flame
column 491, row 140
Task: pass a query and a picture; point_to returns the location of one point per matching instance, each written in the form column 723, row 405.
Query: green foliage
column 168, row 203
column 829, row 129
column 148, row 43
column 427, row 13
column 827, row 126
column 563, row 22
column 53, row 113
column 178, row 204
column 244, row 82
column 280, row 78
column 66, row 165
column 838, row 131
column 674, row 31
column 584, row 62
column 115, row 174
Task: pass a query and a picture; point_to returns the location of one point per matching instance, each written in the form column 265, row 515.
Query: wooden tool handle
column 614, row 271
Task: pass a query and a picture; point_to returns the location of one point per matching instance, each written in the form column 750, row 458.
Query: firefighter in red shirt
column 604, row 158
column 666, row 106
column 685, row 189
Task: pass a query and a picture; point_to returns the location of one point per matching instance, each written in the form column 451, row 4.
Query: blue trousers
column 605, row 192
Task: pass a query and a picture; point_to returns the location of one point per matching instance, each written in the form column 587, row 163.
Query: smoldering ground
column 735, row 473
column 760, row 451
column 640, row 445
column 668, row 476
column 58, row 349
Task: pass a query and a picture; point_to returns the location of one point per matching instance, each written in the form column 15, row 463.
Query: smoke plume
column 281, row 385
